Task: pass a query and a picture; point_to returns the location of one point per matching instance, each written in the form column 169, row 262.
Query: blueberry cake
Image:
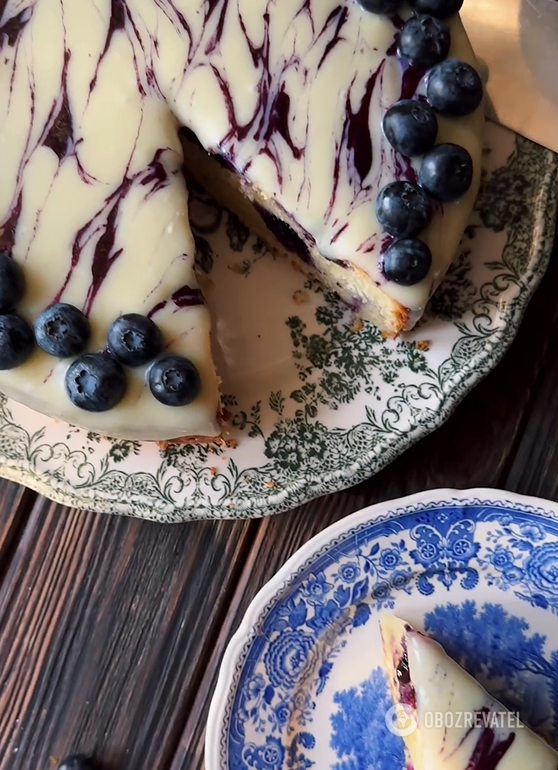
column 473, row 732
column 347, row 133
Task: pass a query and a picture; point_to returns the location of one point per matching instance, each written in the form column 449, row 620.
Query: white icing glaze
column 489, row 741
column 92, row 200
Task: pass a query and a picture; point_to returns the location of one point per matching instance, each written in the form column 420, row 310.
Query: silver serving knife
column 518, row 42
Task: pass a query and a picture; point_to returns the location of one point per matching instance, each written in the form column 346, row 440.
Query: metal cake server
column 518, row 42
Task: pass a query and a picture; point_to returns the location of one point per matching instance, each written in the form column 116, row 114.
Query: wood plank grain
column 103, row 623
column 15, row 504
column 474, row 448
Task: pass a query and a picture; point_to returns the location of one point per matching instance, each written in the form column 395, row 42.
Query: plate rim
column 374, row 513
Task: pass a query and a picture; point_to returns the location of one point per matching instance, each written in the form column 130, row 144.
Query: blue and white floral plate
column 302, row 685
column 318, row 401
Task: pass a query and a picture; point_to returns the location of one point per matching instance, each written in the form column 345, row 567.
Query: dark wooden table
column 112, row 629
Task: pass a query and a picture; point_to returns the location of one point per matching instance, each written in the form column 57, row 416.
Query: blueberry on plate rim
column 381, row 6
column 410, row 127
column 95, row 382
column 442, row 9
column 62, row 330
column 446, row 172
column 174, row 380
column 12, row 283
column 134, row 339
column 454, row 88
column 403, row 209
column 16, row 341
column 407, row 261
column 424, row 40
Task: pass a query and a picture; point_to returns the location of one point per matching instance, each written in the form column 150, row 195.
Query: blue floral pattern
column 446, row 557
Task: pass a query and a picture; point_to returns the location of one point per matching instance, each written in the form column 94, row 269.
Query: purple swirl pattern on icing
column 93, row 199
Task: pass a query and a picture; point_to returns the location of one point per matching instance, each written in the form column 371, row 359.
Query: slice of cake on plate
column 346, row 134
column 451, row 722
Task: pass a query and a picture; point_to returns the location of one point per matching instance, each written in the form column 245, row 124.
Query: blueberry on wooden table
column 446, row 172
column 134, row 340
column 12, row 283
column 440, row 8
column 410, row 127
column 424, row 40
column 454, row 88
column 16, row 341
column 95, row 382
column 381, row 6
column 77, row 762
column 407, row 262
column 62, row 330
column 403, row 209
column 174, row 381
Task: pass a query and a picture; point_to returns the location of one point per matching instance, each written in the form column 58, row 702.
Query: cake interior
column 286, row 239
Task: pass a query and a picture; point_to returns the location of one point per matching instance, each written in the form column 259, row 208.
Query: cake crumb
column 385, row 336
column 423, row 345
column 270, row 484
column 213, row 471
column 357, row 326
column 300, row 297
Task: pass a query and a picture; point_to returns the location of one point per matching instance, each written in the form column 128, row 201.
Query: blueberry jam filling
column 407, row 694
column 285, row 235
column 62, row 330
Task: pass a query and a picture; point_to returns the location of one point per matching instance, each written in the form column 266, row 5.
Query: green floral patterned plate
column 318, row 401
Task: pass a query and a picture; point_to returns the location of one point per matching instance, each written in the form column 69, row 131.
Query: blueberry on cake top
column 348, row 134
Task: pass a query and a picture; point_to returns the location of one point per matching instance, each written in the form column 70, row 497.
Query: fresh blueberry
column 407, row 262
column 381, row 6
column 12, row 282
column 174, row 380
column 62, row 330
column 77, row 762
column 440, row 8
column 454, row 88
column 95, row 382
column 410, row 127
column 16, row 341
column 403, row 209
column 446, row 172
column 424, row 40
column 134, row 339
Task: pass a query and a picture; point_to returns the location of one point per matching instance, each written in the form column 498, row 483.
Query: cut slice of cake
column 452, row 723
column 348, row 134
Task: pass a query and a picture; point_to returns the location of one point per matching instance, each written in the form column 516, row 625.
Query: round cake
column 347, row 134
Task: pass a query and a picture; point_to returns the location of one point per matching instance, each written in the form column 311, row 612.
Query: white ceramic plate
column 318, row 401
column 302, row 684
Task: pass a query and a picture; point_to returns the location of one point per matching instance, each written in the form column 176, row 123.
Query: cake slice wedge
column 474, row 731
